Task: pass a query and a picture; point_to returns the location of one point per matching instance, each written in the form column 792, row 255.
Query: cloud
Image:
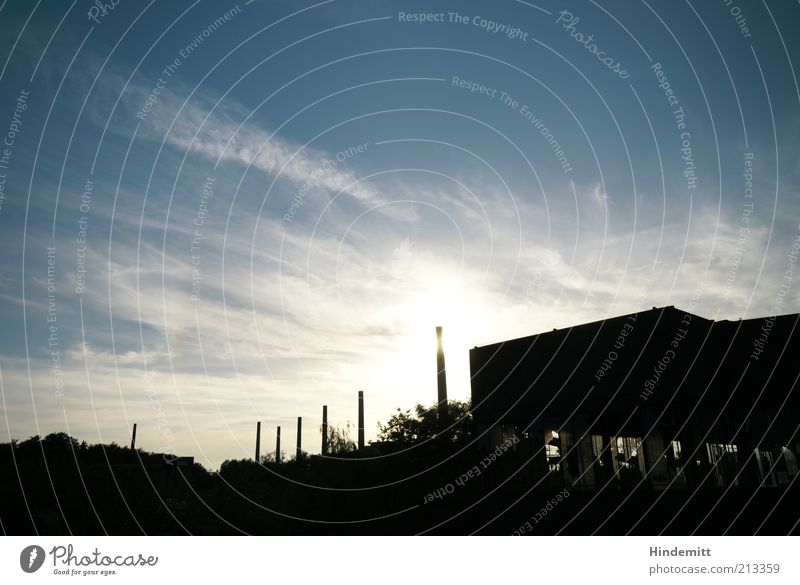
column 299, row 314
column 598, row 196
column 310, row 321
column 224, row 131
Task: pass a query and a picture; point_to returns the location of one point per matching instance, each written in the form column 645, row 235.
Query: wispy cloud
column 224, row 132
column 291, row 314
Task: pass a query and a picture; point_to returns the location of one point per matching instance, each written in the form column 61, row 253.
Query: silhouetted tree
column 339, row 440
column 270, row 457
column 407, row 428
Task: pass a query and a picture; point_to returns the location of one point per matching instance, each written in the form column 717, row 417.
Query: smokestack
column 278, row 447
column 441, row 379
column 133, row 438
column 324, row 430
column 360, row 419
column 258, row 441
column 299, row 453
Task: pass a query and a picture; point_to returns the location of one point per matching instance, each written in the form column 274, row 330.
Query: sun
column 454, row 307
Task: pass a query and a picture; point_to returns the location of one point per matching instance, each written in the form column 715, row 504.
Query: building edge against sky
column 663, row 397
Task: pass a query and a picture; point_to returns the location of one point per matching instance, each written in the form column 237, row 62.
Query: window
column 765, row 467
column 776, row 466
column 674, row 458
column 676, row 450
column 597, row 449
column 627, row 459
column 791, row 461
column 552, row 450
column 725, row 461
column 627, row 451
column 508, row 434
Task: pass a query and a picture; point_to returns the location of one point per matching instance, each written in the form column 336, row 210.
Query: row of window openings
column 626, row 453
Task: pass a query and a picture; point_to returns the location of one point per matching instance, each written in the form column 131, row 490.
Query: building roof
column 651, row 359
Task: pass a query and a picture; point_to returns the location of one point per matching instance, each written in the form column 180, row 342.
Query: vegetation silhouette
column 339, row 441
column 405, row 483
column 408, row 428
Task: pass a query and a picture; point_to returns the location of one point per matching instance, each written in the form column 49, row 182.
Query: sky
column 213, row 214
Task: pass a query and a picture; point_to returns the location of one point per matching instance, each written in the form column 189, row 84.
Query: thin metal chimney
column 441, row 379
column 324, row 429
column 278, row 447
column 133, row 438
column 299, row 454
column 258, row 441
column 360, row 419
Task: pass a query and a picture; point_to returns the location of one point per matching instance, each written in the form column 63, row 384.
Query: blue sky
column 327, row 180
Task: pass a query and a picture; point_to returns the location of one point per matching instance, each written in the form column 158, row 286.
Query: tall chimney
column 441, row 379
column 360, row 419
column 133, row 438
column 258, row 441
column 278, row 447
column 299, row 454
column 324, row 429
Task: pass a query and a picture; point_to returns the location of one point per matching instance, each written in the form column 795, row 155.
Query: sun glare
column 451, row 306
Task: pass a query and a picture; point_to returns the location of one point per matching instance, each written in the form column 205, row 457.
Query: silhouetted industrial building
column 662, row 398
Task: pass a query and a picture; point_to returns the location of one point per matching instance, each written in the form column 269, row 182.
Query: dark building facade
column 661, row 398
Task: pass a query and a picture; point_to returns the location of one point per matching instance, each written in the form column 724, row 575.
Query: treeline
column 415, row 479
column 57, row 485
